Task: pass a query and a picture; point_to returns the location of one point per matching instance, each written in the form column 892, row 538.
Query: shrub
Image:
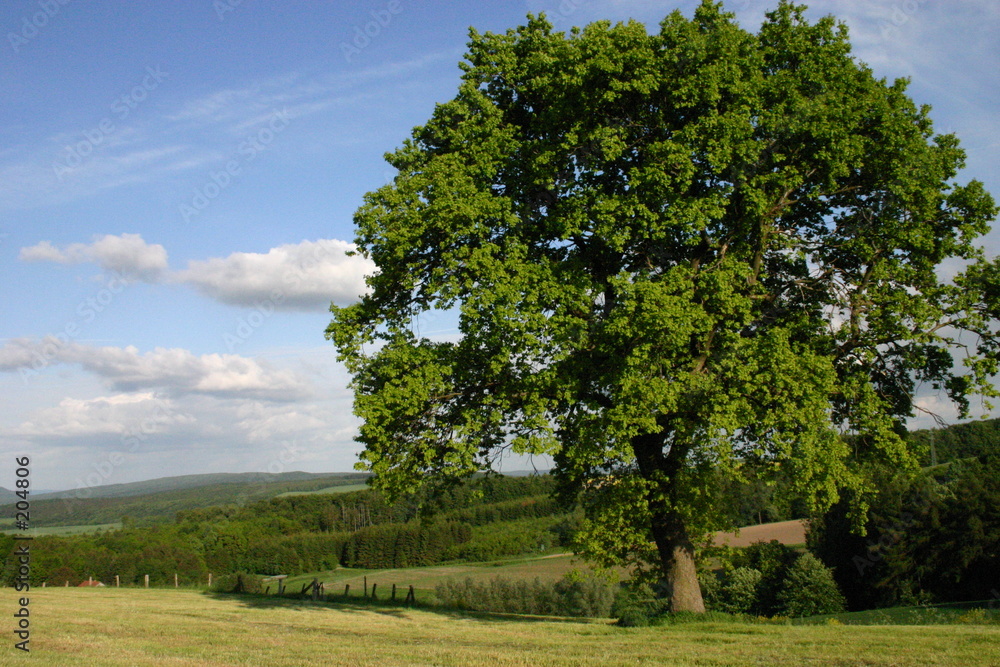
column 809, row 589
column 637, row 605
column 237, row 582
column 711, row 588
column 579, row 595
column 771, row 579
column 739, row 594
column 772, row 559
column 634, row 616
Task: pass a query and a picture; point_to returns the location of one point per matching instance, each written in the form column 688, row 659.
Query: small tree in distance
column 669, row 254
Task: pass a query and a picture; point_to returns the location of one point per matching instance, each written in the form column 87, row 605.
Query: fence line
column 316, row 589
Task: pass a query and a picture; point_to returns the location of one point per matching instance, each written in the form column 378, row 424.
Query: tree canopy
column 670, row 253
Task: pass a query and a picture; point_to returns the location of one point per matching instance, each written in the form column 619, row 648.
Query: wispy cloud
column 192, row 134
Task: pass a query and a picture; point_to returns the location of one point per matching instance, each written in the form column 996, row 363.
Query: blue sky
column 177, row 182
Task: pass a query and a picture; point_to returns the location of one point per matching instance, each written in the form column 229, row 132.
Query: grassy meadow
column 341, row 488
column 60, row 530
column 185, row 627
column 424, row 579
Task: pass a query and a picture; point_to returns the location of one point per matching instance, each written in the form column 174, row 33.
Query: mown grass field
column 341, row 488
column 166, row 627
column 424, row 579
column 548, row 568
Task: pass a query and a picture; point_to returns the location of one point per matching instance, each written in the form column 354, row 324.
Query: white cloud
column 305, row 276
column 128, row 255
column 119, row 414
column 177, row 371
column 97, row 437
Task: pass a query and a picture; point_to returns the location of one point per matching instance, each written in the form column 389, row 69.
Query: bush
column 809, row 589
column 773, row 559
column 740, row 592
column 237, row 582
column 578, row 595
column 635, row 616
column 637, row 606
column 770, row 579
column 711, row 588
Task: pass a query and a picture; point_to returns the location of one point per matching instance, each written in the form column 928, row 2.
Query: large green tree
column 669, row 255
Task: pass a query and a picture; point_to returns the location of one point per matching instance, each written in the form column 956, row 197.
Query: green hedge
column 572, row 595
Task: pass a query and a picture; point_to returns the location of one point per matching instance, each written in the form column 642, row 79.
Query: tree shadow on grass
column 397, row 609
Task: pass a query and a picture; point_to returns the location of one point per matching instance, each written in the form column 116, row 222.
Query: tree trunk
column 680, row 577
column 679, row 574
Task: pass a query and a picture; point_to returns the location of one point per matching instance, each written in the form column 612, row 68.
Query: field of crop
column 183, row 627
column 792, row 533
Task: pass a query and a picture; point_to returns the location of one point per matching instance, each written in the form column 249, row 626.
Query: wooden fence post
column 366, row 586
column 410, row 596
column 373, row 592
column 315, row 591
column 175, row 580
column 117, row 582
column 147, row 581
column 394, row 592
column 347, row 590
column 209, row 579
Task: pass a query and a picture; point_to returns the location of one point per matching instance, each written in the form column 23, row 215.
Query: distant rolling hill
column 161, row 499
column 185, row 482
